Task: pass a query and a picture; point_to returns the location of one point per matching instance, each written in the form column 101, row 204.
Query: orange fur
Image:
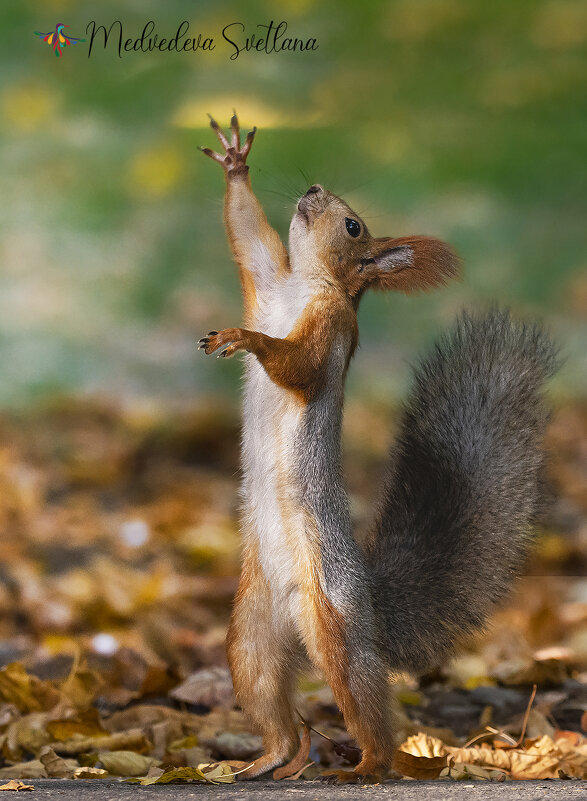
column 273, row 625
column 260, row 668
column 247, row 224
column 298, row 362
column 365, row 701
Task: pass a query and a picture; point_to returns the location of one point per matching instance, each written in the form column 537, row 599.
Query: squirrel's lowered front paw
column 232, row 337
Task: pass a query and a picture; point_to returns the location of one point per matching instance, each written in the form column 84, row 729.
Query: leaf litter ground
column 119, row 559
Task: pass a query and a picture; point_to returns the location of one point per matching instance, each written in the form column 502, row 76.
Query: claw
column 219, row 132
column 234, row 126
column 249, row 142
column 212, row 333
column 211, row 154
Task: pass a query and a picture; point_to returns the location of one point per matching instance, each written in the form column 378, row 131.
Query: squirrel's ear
column 412, row 263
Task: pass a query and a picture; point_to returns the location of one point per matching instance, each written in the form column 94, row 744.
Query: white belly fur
column 271, row 418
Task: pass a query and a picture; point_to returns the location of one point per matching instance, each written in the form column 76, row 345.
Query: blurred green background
column 461, row 119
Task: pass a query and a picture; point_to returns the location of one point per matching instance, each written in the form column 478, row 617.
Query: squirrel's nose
column 315, row 188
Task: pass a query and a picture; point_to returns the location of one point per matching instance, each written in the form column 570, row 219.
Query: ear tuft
column 413, row 263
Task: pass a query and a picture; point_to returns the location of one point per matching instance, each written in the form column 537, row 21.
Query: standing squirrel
column 458, row 499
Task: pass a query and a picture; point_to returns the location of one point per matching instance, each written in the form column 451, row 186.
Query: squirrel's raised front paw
column 235, row 157
column 232, row 337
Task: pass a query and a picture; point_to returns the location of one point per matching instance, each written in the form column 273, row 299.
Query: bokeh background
column 463, row 120
column 119, row 441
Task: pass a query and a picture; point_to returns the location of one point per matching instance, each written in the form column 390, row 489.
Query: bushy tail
column 462, row 486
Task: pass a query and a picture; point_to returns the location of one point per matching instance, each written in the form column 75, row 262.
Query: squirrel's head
column 327, row 236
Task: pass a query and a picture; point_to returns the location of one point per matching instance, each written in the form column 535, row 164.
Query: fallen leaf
column 55, row 766
column 132, row 740
column 185, row 742
column 234, row 745
column 299, row 761
column 81, row 687
column 461, row 771
column 28, row 734
column 536, row 759
column 185, row 775
column 222, row 772
column 424, row 745
column 87, row 724
column 159, row 680
column 27, row 693
column 207, row 687
column 125, row 763
column 16, row 785
column 33, row 769
column 419, row 767
column 90, row 773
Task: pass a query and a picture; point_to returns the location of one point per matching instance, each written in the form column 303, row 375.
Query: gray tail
column 462, row 486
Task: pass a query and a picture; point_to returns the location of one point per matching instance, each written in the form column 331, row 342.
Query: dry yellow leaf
column 90, row 773
column 219, row 772
column 13, row 784
column 81, row 687
column 424, row 745
column 132, row 740
column 537, row 759
column 459, row 772
column 27, row 693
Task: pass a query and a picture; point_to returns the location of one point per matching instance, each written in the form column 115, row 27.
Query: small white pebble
column 105, row 644
column 134, row 533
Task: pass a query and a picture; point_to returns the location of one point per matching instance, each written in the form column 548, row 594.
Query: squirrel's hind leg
column 263, row 653
column 359, row 678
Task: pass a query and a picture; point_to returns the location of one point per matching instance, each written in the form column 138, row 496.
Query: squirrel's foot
column 340, row 777
column 262, row 765
column 366, row 772
column 233, row 338
column 235, row 157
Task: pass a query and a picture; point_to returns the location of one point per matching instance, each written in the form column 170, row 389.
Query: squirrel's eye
column 352, row 227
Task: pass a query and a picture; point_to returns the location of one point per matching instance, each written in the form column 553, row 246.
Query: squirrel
column 460, row 493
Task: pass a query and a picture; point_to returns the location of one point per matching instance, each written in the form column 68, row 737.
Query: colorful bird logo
column 57, row 39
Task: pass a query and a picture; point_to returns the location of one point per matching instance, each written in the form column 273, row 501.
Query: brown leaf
column 234, row 745
column 55, row 766
column 86, row 723
column 209, row 687
column 27, row 693
column 299, row 761
column 419, row 767
column 13, row 784
column 81, row 687
column 132, row 740
column 27, row 734
column 34, row 769
column 126, row 763
column 159, row 680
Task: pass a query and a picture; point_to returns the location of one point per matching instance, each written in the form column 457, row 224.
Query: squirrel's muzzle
column 313, row 202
